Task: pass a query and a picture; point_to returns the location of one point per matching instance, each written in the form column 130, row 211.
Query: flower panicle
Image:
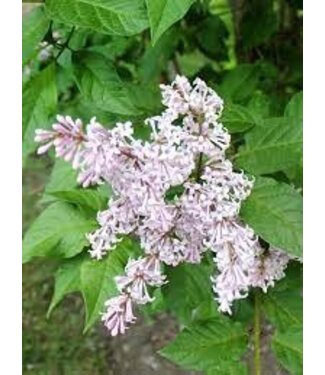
column 186, row 150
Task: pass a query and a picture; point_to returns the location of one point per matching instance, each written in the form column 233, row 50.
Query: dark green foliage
column 213, row 344
column 288, row 349
column 39, row 105
column 274, row 211
column 283, row 307
column 274, row 145
column 258, row 23
column 155, row 58
column 100, row 84
column 212, row 35
column 59, row 231
column 237, row 118
column 283, row 304
column 240, row 83
column 67, row 280
column 195, row 291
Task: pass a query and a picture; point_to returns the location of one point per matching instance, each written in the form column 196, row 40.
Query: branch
column 199, row 167
column 257, row 335
column 66, row 44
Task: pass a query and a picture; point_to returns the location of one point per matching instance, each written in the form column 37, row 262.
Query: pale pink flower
column 268, row 267
column 67, row 137
column 186, row 152
column 139, row 274
column 118, row 314
column 119, row 219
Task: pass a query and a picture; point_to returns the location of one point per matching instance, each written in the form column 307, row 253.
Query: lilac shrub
column 188, row 150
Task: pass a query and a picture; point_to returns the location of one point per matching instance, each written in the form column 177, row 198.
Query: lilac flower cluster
column 186, row 152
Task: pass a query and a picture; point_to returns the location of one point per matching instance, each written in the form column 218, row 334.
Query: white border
column 10, row 167
column 314, row 187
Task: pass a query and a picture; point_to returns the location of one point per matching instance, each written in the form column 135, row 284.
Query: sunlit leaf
column 100, row 84
column 274, row 211
column 274, row 146
column 116, row 17
column 58, row 232
column 164, row 13
column 39, row 106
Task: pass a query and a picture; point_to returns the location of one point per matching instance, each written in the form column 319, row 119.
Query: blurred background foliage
column 249, row 51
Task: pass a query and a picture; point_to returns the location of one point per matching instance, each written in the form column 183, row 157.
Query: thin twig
column 199, row 167
column 66, row 44
column 257, row 335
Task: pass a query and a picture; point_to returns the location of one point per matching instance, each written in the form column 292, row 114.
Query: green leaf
column 63, row 177
column 212, row 35
column 35, row 26
column 59, row 231
column 39, row 105
column 243, row 311
column 116, row 17
column 206, row 310
column 147, row 98
column 274, row 211
column 283, row 304
column 81, row 108
column 274, row 146
column 295, row 174
column 287, row 347
column 258, row 22
column 155, row 58
column 240, row 83
column 164, row 13
column 237, row 118
column 196, row 289
column 295, row 107
column 67, row 280
column 191, row 63
column 233, row 369
column 89, row 198
column 283, row 307
column 116, row 47
column 100, row 84
column 215, row 343
column 97, row 279
column 260, row 105
column 157, row 306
